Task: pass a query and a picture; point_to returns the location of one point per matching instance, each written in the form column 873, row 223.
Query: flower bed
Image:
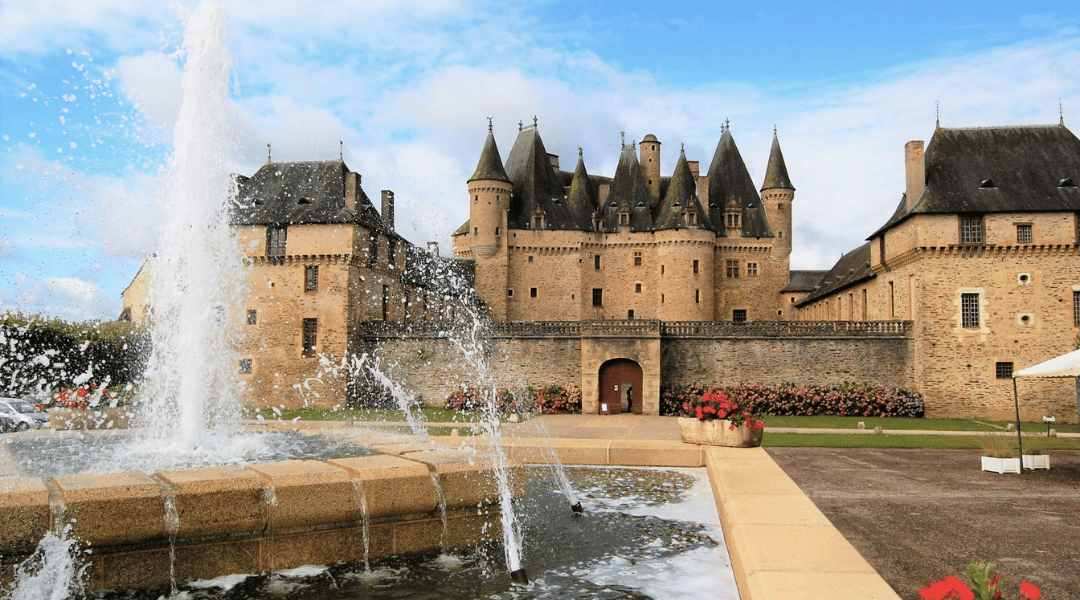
column 548, row 400
column 846, row 399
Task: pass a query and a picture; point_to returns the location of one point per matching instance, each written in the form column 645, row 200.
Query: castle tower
column 489, row 197
column 650, row 166
column 777, row 194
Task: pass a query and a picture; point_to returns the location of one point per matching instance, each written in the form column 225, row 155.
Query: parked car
column 20, row 415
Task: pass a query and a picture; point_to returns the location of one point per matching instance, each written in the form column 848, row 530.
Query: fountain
column 170, row 522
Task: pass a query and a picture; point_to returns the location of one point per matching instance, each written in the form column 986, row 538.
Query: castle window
column 311, row 278
column 538, row 222
column 751, row 269
column 509, row 292
column 385, row 303
column 1076, row 308
column 661, row 269
column 971, row 230
column 637, row 288
column 496, row 231
column 1003, row 370
column 532, row 292
column 738, row 315
column 696, row 263
column 596, row 261
column 697, row 296
column 245, row 366
column 275, row 241
column 691, row 218
column 530, row 259
column 733, row 269
column 252, row 317
column 597, row 297
column 731, row 220
column 624, row 218
column 311, row 330
column 780, row 235
column 476, row 230
column 969, row 310
column 476, row 198
column 1023, row 233
column 637, row 258
column 630, row 315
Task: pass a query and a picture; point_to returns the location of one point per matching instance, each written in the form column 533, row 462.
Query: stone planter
column 718, row 433
column 85, row 418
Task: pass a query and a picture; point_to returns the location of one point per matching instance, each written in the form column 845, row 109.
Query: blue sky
column 89, row 92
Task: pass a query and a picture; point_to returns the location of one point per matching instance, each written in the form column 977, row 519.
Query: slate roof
column 490, row 165
column 536, row 185
column 852, row 268
column 729, row 181
column 998, row 169
column 803, row 281
column 776, row 175
column 680, row 196
column 298, row 193
column 628, row 193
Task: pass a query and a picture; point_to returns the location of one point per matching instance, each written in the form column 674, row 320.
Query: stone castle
column 621, row 284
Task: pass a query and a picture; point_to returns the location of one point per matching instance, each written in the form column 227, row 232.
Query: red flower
column 950, row 587
column 1029, row 591
column 82, row 392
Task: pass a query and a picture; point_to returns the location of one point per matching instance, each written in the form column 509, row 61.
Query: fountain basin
column 254, row 519
column 85, row 418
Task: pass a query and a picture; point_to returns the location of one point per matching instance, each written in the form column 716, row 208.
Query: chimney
column 695, row 168
column 554, row 160
column 388, row 209
column 915, row 167
column 433, row 248
column 352, row 190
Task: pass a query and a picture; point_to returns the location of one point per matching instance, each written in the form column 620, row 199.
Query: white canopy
column 1066, row 365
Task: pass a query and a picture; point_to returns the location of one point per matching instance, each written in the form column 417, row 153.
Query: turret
column 777, row 194
column 489, row 197
column 650, row 166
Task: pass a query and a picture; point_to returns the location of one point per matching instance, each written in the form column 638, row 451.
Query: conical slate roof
column 579, row 197
column 729, row 181
column 679, row 198
column 628, row 193
column 490, row 165
column 776, row 173
column 536, row 185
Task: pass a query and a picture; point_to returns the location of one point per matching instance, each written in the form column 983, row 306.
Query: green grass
column 901, row 423
column 842, row 440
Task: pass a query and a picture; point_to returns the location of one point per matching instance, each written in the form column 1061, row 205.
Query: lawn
column 429, row 414
column 901, row 423
column 841, row 440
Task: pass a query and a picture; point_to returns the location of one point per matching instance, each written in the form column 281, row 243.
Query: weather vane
column 489, row 124
column 268, row 161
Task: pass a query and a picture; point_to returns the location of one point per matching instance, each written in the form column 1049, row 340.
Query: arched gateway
column 621, row 387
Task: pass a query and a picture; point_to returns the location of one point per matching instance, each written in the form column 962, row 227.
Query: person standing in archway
column 629, row 398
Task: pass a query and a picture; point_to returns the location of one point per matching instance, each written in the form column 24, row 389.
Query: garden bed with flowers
column 846, row 399
column 548, row 400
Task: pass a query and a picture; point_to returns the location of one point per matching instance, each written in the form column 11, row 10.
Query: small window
column 252, row 317
column 731, row 220
column 538, row 222
column 969, row 310
column 738, row 315
column 1023, row 234
column 1076, row 309
column 637, row 258
column 596, row 261
column 275, row 241
column 532, row 292
column 496, row 231
column 661, row 269
column 245, row 366
column 696, row 264
column 751, row 269
column 311, row 331
column 509, row 292
column 630, row 315
column 624, row 218
column 530, row 259
column 597, row 297
column 476, row 230
column 637, row 288
column 733, row 269
column 697, row 296
column 1004, row 370
column 311, row 278
column 971, row 230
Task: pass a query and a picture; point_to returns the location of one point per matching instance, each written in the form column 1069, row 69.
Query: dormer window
column 987, row 183
column 732, row 220
column 538, row 219
column 624, row 218
column 1067, row 182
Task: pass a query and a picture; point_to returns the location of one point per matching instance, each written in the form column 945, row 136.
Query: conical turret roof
column 536, row 185
column 679, row 198
column 579, row 198
column 776, row 173
column 628, row 194
column 730, row 182
column 490, row 165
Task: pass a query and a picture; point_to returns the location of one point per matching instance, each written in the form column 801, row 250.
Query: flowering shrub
column 715, row 404
column 986, row 581
column 850, row 399
column 548, row 400
column 91, row 395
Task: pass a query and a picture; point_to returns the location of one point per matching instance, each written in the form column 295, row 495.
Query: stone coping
column 781, row 545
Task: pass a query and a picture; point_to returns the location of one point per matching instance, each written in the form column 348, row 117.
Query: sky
column 90, row 91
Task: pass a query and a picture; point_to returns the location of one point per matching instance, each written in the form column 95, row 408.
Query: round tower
column 650, row 166
column 777, row 195
column 489, row 199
